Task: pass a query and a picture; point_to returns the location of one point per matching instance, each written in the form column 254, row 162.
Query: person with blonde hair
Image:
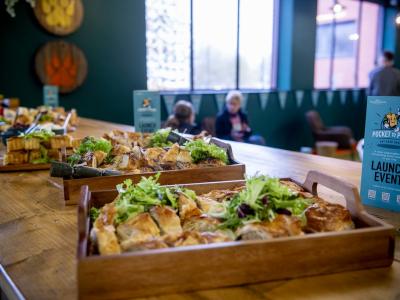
column 183, row 118
column 232, row 123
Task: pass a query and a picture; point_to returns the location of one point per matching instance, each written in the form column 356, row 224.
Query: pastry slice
column 281, row 226
column 187, row 207
column 146, row 245
column 34, row 155
column 167, row 220
column 61, row 141
column 106, row 239
column 54, row 154
column 16, row 158
column 32, row 144
column 201, row 223
column 15, row 144
column 171, row 155
column 137, row 229
column 323, row 216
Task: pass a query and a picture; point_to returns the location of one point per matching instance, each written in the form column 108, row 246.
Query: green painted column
column 296, row 44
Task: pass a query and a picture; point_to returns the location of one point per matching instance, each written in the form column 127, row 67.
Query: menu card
column 50, row 95
column 146, row 110
column 380, row 181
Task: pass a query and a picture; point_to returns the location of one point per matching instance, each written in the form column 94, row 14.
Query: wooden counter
column 38, row 233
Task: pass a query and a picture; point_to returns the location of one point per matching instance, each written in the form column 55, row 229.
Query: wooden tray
column 230, row 172
column 22, row 167
column 183, row 269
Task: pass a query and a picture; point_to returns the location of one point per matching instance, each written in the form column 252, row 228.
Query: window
column 347, row 43
column 208, row 44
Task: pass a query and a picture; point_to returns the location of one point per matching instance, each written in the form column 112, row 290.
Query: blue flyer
column 50, row 95
column 380, row 181
column 146, row 111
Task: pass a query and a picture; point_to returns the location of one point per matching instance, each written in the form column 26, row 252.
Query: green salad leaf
column 94, row 213
column 137, row 198
column 159, row 138
column 91, row 144
column 42, row 134
column 44, row 159
column 46, row 118
column 261, row 200
column 200, row 150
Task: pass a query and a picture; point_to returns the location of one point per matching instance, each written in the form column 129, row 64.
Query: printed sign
column 50, row 95
column 146, row 111
column 380, row 181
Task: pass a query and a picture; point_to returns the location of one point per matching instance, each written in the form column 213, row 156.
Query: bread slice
column 61, row 141
column 32, row 143
column 34, row 155
column 16, row 158
column 54, row 154
column 15, row 144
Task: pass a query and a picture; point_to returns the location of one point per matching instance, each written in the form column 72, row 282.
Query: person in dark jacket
column 183, row 118
column 385, row 79
column 232, row 123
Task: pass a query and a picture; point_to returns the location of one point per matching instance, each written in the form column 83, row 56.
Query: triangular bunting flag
column 356, row 95
column 343, row 97
column 315, row 95
column 263, row 100
column 282, row 99
column 196, row 101
column 220, row 101
column 169, row 103
column 299, row 98
column 329, row 97
column 244, row 101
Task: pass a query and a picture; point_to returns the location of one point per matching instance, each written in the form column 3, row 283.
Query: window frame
column 357, row 46
column 273, row 70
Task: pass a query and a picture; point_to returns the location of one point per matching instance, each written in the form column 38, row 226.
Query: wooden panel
column 154, row 272
column 232, row 172
column 22, row 167
column 62, row 64
column 59, row 17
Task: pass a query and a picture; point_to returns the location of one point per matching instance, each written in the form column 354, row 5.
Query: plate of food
column 34, row 151
column 146, row 239
column 103, row 162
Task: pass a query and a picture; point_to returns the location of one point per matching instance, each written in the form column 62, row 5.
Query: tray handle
column 348, row 190
column 83, row 221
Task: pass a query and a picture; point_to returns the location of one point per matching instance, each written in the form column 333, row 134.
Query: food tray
column 183, row 269
column 234, row 171
column 22, row 167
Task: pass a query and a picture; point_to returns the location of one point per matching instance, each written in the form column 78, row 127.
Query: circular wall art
column 62, row 64
column 60, row 17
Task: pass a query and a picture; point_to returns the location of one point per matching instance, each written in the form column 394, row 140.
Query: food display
column 147, row 239
column 131, row 152
column 50, row 118
column 38, row 147
column 150, row 216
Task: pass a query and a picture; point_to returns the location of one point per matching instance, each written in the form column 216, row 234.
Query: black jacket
column 223, row 125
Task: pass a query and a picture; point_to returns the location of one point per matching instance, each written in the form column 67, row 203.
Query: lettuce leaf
column 160, row 138
column 200, row 150
column 134, row 199
column 42, row 134
column 91, row 144
column 263, row 197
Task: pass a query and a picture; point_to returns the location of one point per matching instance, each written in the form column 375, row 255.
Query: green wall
column 112, row 37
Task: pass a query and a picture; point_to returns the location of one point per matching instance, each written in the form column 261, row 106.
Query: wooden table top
column 38, row 233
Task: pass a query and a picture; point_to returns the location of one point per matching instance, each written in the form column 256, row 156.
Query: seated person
column 183, row 118
column 232, row 123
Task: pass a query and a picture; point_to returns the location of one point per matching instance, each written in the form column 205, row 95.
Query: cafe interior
column 199, row 149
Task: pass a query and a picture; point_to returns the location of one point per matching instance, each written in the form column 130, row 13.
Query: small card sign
column 50, row 95
column 380, row 181
column 146, row 111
